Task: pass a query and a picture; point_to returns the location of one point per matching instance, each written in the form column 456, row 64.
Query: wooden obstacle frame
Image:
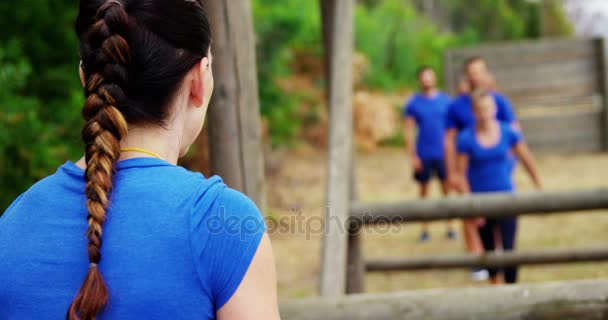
column 343, row 265
column 558, row 88
column 236, row 155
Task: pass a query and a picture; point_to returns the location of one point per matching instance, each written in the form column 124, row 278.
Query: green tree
column 40, row 97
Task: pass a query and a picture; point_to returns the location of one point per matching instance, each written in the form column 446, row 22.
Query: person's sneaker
column 424, row 237
column 480, row 275
column 451, row 234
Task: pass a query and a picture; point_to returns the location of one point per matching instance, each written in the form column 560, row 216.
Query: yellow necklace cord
column 150, row 153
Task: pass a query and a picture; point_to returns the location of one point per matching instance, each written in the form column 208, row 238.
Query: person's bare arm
column 256, row 297
column 409, row 128
column 462, row 166
column 523, row 153
column 450, row 155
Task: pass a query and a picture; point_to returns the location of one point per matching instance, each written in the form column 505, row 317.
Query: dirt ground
column 296, row 191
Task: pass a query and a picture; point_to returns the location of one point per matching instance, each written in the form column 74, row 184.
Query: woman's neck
column 163, row 142
column 486, row 126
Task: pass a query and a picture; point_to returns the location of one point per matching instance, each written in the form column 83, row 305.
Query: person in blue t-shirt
column 125, row 233
column 426, row 112
column 484, row 165
column 459, row 117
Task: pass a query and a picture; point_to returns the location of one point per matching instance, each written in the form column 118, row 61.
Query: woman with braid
column 125, row 233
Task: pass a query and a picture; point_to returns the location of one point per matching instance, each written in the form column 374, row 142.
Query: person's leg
column 424, row 192
column 472, row 240
column 486, row 233
column 445, row 190
column 423, row 176
column 508, row 230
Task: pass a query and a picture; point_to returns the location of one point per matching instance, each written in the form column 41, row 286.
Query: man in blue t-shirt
column 426, row 111
column 460, row 112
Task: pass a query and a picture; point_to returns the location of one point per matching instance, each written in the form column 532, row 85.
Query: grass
column 297, row 191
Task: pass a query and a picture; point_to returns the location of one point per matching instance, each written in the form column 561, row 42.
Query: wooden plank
column 553, row 102
column 603, row 45
column 526, row 52
column 524, row 75
column 335, row 243
column 480, row 205
column 564, row 132
column 559, row 122
column 491, row 260
column 590, row 145
column 515, row 88
column 585, row 300
column 588, row 89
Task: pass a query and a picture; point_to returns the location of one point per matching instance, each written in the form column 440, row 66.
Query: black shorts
column 429, row 169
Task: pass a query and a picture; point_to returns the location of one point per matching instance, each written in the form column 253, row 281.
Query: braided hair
column 135, row 55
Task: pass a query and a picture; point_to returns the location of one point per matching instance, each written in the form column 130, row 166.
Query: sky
column 590, row 17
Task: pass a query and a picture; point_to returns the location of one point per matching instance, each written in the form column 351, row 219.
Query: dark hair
column 468, row 62
column 135, row 55
column 423, row 69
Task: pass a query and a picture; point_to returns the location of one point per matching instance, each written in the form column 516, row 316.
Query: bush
column 40, row 97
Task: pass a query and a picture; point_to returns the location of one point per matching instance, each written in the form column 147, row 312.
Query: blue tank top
column 176, row 245
column 490, row 168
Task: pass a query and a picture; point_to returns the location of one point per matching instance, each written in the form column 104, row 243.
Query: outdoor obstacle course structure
column 235, row 137
column 548, row 301
column 559, row 89
column 343, row 265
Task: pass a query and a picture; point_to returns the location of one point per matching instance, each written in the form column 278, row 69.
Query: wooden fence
column 586, row 300
column 558, row 88
column 488, row 205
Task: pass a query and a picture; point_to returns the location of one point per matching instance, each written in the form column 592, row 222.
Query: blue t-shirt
column 429, row 114
column 489, row 168
column 176, row 245
column 460, row 113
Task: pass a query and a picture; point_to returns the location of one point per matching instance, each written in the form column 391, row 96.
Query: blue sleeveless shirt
column 176, row 245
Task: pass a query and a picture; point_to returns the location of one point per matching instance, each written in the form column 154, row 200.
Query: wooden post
column 234, row 120
column 603, row 56
column 334, row 262
column 355, row 278
column 449, row 75
column 356, row 266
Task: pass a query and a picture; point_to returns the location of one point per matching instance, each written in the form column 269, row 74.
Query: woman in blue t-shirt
column 485, row 164
column 176, row 245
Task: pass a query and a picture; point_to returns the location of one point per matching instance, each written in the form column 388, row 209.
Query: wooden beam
column 603, row 45
column 493, row 260
column 355, row 277
column 490, row 205
column 335, row 243
column 355, row 273
column 585, row 300
column 234, row 117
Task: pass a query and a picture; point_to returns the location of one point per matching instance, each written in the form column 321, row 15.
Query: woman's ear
column 81, row 74
column 197, row 89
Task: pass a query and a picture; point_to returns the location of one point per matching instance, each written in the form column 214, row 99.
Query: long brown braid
column 104, row 128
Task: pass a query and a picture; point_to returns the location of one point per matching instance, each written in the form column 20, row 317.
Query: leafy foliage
column 40, row 97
